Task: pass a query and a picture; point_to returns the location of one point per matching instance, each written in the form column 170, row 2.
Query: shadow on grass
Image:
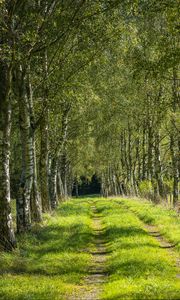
column 74, row 207
column 32, row 295
column 53, row 249
column 136, row 268
column 124, row 231
column 64, row 238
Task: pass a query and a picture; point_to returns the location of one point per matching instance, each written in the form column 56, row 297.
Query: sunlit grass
column 138, row 268
column 167, row 220
column 50, row 261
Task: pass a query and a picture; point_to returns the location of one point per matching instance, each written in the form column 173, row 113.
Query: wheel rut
column 163, row 243
column 153, row 231
column 97, row 272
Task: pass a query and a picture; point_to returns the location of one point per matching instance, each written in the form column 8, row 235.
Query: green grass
column 138, row 268
column 52, row 261
column 49, row 263
column 167, row 220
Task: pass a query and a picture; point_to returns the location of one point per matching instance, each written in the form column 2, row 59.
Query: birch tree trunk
column 44, row 152
column 175, row 173
column 7, row 237
column 26, row 180
column 150, row 151
column 174, row 139
column 158, row 170
column 53, row 184
column 36, row 208
column 144, row 154
column 60, row 188
column 43, row 164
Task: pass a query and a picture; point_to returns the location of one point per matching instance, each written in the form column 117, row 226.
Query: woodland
column 88, row 89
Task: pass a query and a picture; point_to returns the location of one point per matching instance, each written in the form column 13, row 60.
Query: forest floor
column 95, row 248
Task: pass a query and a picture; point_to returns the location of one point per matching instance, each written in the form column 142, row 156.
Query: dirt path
column 97, row 272
column 153, row 231
column 163, row 243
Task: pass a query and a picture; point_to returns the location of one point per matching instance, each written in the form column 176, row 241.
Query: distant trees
column 140, row 107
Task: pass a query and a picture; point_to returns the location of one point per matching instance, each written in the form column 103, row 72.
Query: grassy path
column 97, row 271
column 95, row 249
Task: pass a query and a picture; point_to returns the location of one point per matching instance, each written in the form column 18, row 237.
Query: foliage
column 146, row 189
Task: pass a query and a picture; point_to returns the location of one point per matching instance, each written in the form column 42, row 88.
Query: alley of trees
column 86, row 87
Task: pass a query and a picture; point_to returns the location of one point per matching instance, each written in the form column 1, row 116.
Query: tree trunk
column 36, row 209
column 150, row 151
column 26, row 181
column 60, row 188
column 175, row 173
column 76, row 188
column 159, row 191
column 53, row 184
column 7, row 237
column 43, row 165
column 44, row 153
column 144, row 154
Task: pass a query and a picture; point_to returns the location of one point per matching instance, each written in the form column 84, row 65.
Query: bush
column 146, row 189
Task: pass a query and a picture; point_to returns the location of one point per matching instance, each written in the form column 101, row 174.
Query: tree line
column 86, row 87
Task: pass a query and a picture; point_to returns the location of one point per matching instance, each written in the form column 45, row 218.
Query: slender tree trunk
column 159, row 191
column 76, row 188
column 44, row 152
column 43, row 164
column 126, row 177
column 137, row 167
column 150, row 151
column 7, row 237
column 144, row 154
column 60, row 152
column 175, row 173
column 36, row 208
column 53, row 184
column 122, row 154
column 60, row 188
column 64, row 174
column 130, row 164
column 26, row 181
